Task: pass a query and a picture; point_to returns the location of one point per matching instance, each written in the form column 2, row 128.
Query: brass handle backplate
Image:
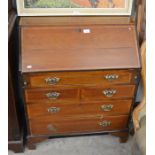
column 111, row 77
column 108, row 107
column 52, row 81
column 109, row 92
column 53, row 109
column 53, row 95
column 105, row 123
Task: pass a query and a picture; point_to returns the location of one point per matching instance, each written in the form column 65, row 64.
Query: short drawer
column 81, row 78
column 44, row 125
column 51, row 95
column 109, row 92
column 118, row 107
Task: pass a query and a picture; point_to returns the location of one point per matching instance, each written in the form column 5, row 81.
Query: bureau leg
column 31, row 146
column 123, row 139
column 123, row 136
column 16, row 146
column 32, row 141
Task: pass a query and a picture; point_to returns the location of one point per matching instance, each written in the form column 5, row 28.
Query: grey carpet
column 87, row 145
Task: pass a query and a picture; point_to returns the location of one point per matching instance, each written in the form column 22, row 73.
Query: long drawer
column 118, row 107
column 108, row 92
column 44, row 125
column 81, row 78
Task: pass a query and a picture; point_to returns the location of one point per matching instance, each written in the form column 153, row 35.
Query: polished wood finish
column 44, row 21
column 81, row 78
column 44, row 125
column 120, row 107
column 97, row 93
column 66, row 94
column 69, row 93
column 79, row 75
column 41, row 52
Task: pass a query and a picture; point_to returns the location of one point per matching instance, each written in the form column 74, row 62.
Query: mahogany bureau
column 79, row 75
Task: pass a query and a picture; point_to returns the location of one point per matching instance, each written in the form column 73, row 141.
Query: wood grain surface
column 97, row 93
column 38, row 80
column 65, row 48
column 65, row 94
column 119, row 107
column 96, row 20
column 44, row 125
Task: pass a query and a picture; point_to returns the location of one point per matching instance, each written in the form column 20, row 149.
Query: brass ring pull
column 111, row 77
column 53, row 109
column 107, row 107
column 53, row 95
column 52, row 81
column 105, row 123
column 109, row 92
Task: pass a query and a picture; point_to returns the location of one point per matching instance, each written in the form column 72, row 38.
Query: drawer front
column 76, row 78
column 109, row 92
column 52, row 95
column 119, row 107
column 44, row 125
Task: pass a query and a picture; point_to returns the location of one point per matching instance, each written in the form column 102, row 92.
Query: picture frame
column 74, row 7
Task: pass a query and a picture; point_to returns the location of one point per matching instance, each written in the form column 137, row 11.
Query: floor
column 87, row 145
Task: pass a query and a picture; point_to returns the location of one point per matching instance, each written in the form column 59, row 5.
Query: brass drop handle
column 108, row 107
column 52, row 81
column 105, row 123
column 53, row 95
column 53, row 109
column 111, row 77
column 109, row 92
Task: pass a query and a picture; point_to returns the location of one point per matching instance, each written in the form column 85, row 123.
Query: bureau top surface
column 78, row 47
